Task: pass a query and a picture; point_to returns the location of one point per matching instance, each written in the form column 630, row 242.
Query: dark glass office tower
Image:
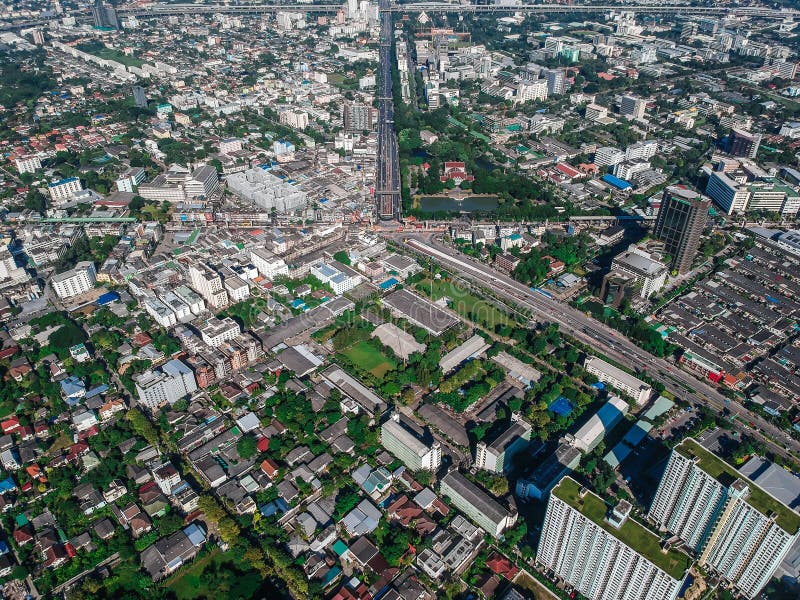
column 680, row 224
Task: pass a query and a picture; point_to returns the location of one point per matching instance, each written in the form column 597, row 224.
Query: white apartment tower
column 208, row 284
column 587, row 544
column 735, row 528
column 173, row 382
column 401, row 439
column 76, row 281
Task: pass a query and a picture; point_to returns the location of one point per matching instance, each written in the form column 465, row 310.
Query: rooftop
column 785, row 517
column 631, row 533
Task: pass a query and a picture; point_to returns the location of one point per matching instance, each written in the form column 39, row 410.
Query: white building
column 178, row 306
column 602, row 422
column 595, row 112
column 269, row 265
column 737, row 530
column 480, row 507
column 590, row 547
column 216, row 331
column 28, row 164
column 641, row 150
column 532, row 91
column 619, row 379
column 406, row 442
column 650, row 274
column 156, row 388
column 161, row 313
column 632, row 107
column 203, row 182
column 208, row 284
column 608, row 156
column 266, row 190
column 63, row 190
column 495, row 456
column 131, row 179
column 339, row 281
column 229, row 145
column 76, row 281
column 191, row 299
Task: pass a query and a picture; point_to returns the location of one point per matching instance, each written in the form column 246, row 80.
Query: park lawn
column 368, row 358
column 109, row 54
column 190, row 584
column 465, row 303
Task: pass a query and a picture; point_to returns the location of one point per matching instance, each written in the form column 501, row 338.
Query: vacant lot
column 368, row 358
column 465, row 303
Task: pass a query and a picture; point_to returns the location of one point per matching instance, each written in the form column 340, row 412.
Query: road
column 598, row 335
column 387, row 184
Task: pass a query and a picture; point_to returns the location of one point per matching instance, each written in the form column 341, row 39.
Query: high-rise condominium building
column 735, row 528
column 602, row 552
column 680, row 223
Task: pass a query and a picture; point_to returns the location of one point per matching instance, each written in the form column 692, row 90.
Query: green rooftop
column 643, row 541
column 786, row 518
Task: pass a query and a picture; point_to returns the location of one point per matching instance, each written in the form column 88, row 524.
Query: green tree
column 246, row 447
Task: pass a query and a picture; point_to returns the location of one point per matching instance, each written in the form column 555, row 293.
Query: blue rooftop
column 616, row 182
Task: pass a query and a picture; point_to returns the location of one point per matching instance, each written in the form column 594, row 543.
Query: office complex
column 404, row 440
column 604, row 553
column 157, row 388
column 104, row 16
column 743, row 143
column 681, row 221
column 481, row 508
column 632, row 107
column 139, row 97
column 76, row 281
column 266, row 190
column 734, row 527
column 616, row 377
column 496, row 455
column 649, row 274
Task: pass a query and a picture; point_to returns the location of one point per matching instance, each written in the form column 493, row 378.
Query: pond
column 467, row 204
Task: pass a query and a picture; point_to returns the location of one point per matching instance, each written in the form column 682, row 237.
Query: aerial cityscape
column 384, row 299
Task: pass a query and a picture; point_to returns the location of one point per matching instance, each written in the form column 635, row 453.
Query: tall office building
column 736, row 529
column 602, row 552
column 139, row 97
column 104, row 16
column 556, row 81
column 404, row 440
column 680, row 223
column 632, row 107
column 743, row 143
column 357, row 117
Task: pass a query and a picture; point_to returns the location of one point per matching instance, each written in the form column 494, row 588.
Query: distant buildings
column 604, row 553
column 156, row 388
column 481, row 508
column 405, row 441
column 619, row 379
column 736, row 529
column 76, row 281
column 681, row 221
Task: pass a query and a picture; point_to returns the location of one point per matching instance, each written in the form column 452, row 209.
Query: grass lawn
column 109, row 54
column 191, row 583
column 530, row 584
column 465, row 303
column 367, row 357
column 6, row 408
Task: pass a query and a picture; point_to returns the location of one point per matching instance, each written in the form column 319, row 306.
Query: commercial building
column 632, row 107
column 619, row 379
column 649, row 274
column 680, row 223
column 139, row 97
column 743, row 143
column 130, row 180
column 495, row 456
column 556, row 81
column 63, row 190
column 357, row 117
column 266, row 190
column 269, row 265
column 727, row 193
column 203, row 182
column 208, row 284
column 599, row 424
column 160, row 312
column 336, row 277
column 481, row 508
column 602, row 552
column 547, row 475
column 405, row 441
column 216, row 332
column 736, row 529
column 156, row 388
column 608, row 156
column 76, row 281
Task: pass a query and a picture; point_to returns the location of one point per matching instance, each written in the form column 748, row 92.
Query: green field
column 202, row 579
column 367, row 358
column 465, row 303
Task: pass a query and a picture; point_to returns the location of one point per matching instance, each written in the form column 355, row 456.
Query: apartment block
column 405, row 441
column 172, row 382
column 619, row 379
column 496, row 455
column 480, row 507
column 76, row 281
column 603, row 552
